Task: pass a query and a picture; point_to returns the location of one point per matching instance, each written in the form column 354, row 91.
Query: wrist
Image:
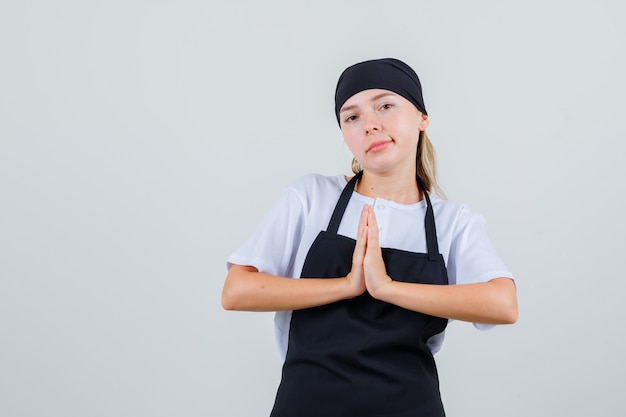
column 382, row 288
column 352, row 287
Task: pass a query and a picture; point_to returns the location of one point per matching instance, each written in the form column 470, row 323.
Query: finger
column 373, row 264
column 373, row 254
column 364, row 215
column 363, row 223
column 361, row 238
column 372, row 235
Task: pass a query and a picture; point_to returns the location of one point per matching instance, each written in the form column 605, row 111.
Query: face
column 382, row 128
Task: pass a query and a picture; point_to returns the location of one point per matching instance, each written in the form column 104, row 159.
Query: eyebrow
column 376, row 97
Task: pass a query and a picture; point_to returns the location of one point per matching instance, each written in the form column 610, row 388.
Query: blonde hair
column 427, row 165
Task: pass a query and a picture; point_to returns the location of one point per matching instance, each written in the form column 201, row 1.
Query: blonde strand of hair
column 356, row 167
column 427, row 165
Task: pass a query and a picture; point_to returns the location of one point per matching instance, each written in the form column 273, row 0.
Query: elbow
column 510, row 315
column 500, row 314
column 510, row 311
column 231, row 292
column 227, row 302
column 506, row 300
column 229, row 295
column 229, row 298
column 237, row 288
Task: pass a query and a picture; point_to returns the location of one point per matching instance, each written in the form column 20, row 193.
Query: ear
column 424, row 122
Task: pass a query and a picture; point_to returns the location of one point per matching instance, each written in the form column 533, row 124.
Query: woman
column 376, row 254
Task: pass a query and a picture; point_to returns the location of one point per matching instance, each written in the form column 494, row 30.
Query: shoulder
column 318, row 182
column 451, row 209
column 454, row 215
column 313, row 187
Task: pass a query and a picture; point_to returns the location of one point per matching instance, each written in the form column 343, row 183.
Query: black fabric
column 387, row 74
column 363, row 357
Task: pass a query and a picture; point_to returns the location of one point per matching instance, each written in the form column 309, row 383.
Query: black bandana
column 387, row 74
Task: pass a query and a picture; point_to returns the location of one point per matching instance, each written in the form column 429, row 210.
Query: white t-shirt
column 281, row 242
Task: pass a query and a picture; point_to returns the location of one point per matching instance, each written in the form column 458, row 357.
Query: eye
column 350, row 118
column 386, row 106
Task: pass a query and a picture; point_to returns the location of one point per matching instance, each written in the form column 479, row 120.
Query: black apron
column 363, row 357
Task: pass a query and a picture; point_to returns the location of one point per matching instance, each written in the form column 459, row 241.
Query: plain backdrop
column 142, row 141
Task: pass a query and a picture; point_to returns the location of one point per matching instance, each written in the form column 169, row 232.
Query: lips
column 378, row 146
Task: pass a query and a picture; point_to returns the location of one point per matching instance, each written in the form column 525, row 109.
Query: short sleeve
column 472, row 256
column 272, row 246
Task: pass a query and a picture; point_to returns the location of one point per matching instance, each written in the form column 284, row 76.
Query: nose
column 372, row 123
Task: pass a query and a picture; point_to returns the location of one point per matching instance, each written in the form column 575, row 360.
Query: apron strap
column 429, row 219
column 342, row 203
column 429, row 225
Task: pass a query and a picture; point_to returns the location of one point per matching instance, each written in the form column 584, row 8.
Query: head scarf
column 386, row 74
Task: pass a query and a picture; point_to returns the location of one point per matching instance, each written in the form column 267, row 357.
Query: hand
column 356, row 277
column 373, row 265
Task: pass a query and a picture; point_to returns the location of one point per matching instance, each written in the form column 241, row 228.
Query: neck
column 400, row 187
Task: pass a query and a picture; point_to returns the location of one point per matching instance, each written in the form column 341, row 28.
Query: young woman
column 383, row 263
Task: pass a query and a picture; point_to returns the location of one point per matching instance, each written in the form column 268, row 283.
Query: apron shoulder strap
column 429, row 219
column 429, row 225
column 342, row 203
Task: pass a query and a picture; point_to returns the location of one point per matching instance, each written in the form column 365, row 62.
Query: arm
column 492, row 302
column 248, row 289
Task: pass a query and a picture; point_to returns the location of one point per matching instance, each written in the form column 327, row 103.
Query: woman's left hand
column 493, row 302
column 373, row 265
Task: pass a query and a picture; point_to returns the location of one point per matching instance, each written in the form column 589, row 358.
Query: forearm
column 246, row 289
column 493, row 302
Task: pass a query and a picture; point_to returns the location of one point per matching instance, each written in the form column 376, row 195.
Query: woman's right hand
column 247, row 289
column 356, row 277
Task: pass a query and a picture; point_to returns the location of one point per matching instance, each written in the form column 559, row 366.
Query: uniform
column 363, row 356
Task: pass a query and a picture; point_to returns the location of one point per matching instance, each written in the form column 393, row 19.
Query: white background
column 142, row 141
